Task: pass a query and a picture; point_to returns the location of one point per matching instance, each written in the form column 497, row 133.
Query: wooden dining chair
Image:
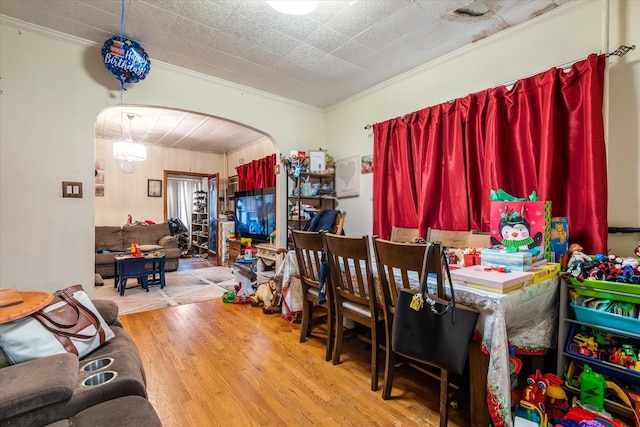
column 449, row 238
column 399, row 266
column 354, row 293
column 402, row 234
column 309, row 255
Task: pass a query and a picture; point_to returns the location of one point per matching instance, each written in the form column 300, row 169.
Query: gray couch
column 53, row 390
column 114, row 240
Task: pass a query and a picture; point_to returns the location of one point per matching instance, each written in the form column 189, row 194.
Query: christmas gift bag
column 522, row 226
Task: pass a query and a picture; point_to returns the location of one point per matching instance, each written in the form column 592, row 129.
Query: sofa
column 62, row 390
column 112, row 241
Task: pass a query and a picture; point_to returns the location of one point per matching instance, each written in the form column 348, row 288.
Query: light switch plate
column 72, row 189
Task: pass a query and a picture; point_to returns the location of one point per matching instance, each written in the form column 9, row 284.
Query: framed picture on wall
column 154, row 188
column 317, row 161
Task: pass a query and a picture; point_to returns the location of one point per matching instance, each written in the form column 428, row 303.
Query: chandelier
column 128, row 150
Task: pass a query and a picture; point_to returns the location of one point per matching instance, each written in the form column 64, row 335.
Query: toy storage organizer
column 573, row 318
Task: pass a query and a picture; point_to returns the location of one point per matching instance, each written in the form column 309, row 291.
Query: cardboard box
column 546, row 272
column 519, row 261
column 478, row 277
column 523, row 225
column 558, row 238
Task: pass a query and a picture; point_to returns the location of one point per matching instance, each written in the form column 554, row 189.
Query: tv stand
column 236, row 248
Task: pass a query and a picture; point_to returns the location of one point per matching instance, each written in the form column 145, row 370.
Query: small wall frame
column 154, row 188
column 317, row 161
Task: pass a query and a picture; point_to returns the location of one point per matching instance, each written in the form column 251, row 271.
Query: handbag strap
column 424, row 288
column 67, row 330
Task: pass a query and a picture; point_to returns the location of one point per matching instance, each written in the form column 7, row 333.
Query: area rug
column 182, row 287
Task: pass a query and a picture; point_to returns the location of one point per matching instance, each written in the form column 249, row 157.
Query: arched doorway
column 177, row 141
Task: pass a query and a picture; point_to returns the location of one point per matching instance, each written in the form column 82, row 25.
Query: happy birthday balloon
column 125, row 59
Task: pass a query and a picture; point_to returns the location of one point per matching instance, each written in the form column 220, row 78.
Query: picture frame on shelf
column 154, row 188
column 317, row 161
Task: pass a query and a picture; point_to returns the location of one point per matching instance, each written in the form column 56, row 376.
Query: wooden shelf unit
column 326, row 199
column 567, row 320
column 200, row 225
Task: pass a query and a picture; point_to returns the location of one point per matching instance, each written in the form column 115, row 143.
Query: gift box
column 491, row 280
column 519, row 261
column 545, row 272
column 522, row 226
column 558, row 238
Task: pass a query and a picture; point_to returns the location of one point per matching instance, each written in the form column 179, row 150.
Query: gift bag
column 430, row 329
column 522, row 226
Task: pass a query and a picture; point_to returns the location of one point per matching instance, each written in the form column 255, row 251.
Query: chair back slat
column 349, row 262
column 399, row 265
column 308, row 247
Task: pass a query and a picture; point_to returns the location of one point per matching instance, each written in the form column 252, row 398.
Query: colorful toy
column 532, row 406
column 557, row 400
column 135, row 249
column 267, row 294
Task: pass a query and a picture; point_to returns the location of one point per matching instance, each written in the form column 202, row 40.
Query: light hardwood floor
column 217, row 364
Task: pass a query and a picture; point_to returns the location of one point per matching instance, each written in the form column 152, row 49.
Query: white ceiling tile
column 356, row 53
column 113, row 7
column 363, row 14
column 205, row 12
column 513, row 12
column 253, row 32
column 325, row 39
column 227, row 43
column 185, row 47
column 305, row 56
column 172, row 6
column 193, row 31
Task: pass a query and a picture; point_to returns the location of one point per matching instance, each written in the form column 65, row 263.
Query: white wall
column 126, row 193
column 565, row 35
column 258, row 150
column 53, row 89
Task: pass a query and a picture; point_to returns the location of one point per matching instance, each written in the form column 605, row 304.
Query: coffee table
column 141, row 268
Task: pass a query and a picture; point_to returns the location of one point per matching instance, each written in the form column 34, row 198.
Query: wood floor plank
column 216, row 364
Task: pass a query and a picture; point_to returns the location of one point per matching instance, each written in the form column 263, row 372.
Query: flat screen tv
column 256, row 213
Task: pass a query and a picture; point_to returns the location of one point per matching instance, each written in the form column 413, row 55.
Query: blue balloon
column 125, row 59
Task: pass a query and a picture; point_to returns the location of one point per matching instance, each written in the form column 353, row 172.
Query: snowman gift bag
column 522, row 226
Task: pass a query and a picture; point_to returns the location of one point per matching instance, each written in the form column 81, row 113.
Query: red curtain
column 257, row 174
column 546, row 134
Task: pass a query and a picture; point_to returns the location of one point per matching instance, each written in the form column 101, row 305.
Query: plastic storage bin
column 614, row 321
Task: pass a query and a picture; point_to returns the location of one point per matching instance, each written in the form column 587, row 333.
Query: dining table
column 524, row 319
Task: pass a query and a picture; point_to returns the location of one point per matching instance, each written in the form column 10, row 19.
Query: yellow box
column 546, row 272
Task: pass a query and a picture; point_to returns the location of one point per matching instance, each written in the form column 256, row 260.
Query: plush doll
column 266, row 293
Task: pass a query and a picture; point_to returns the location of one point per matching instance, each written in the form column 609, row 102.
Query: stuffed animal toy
column 266, row 293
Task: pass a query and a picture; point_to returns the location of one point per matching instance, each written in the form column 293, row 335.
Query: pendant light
column 128, row 150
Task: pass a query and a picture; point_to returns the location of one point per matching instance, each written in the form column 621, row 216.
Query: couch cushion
column 144, row 234
column 127, row 411
column 150, row 248
column 50, row 380
column 109, row 238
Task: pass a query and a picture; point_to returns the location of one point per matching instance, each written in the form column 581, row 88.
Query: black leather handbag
column 430, row 329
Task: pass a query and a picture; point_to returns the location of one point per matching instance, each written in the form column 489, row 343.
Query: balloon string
column 122, row 23
column 121, row 41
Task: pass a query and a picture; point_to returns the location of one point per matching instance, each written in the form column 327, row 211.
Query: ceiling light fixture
column 128, row 150
column 294, row 7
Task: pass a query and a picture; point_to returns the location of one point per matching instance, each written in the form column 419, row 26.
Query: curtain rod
column 621, row 51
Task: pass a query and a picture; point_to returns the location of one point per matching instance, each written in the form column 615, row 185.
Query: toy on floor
column 532, row 407
column 239, row 296
column 267, row 293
